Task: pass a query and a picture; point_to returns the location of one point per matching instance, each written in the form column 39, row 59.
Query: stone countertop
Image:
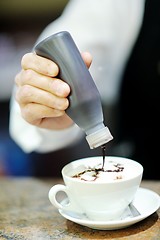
column 26, row 214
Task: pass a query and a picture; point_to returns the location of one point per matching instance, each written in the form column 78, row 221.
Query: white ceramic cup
column 99, row 200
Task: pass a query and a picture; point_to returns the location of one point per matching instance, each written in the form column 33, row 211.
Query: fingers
column 41, row 96
column 39, row 64
column 46, row 66
column 51, row 85
column 28, row 94
column 87, row 57
column 36, row 113
column 45, row 117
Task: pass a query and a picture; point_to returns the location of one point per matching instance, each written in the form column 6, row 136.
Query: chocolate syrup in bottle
column 84, row 101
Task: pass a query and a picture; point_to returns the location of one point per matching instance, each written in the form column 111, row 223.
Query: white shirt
column 108, row 30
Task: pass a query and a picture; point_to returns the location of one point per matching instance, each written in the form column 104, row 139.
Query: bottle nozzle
column 99, row 137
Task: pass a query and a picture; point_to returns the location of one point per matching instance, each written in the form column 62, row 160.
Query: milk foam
column 111, row 171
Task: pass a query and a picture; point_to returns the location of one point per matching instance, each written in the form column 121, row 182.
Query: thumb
column 87, row 57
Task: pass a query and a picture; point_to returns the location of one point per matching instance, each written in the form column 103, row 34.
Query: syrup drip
column 103, row 147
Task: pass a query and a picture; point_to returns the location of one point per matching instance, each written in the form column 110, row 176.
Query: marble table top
column 26, row 214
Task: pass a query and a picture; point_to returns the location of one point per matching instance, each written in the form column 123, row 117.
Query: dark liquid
column 95, row 171
column 103, row 147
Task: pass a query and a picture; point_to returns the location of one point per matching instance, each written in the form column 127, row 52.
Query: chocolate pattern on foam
column 96, row 171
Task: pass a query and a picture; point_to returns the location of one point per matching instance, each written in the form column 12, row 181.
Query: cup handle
column 69, row 206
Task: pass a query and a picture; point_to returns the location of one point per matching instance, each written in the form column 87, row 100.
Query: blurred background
column 21, row 22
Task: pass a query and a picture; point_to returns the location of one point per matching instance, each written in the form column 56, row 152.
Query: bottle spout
column 99, row 138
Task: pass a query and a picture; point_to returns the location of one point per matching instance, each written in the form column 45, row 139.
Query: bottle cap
column 99, row 137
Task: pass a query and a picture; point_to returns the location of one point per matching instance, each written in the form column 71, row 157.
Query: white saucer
column 146, row 202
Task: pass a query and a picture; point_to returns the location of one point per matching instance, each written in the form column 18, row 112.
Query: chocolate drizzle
column 96, row 171
column 103, row 147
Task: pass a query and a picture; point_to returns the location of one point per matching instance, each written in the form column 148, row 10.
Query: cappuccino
column 112, row 170
column 101, row 193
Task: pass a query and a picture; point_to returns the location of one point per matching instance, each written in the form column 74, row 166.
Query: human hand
column 41, row 95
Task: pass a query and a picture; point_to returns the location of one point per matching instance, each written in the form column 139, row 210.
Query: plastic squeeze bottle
column 84, row 100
